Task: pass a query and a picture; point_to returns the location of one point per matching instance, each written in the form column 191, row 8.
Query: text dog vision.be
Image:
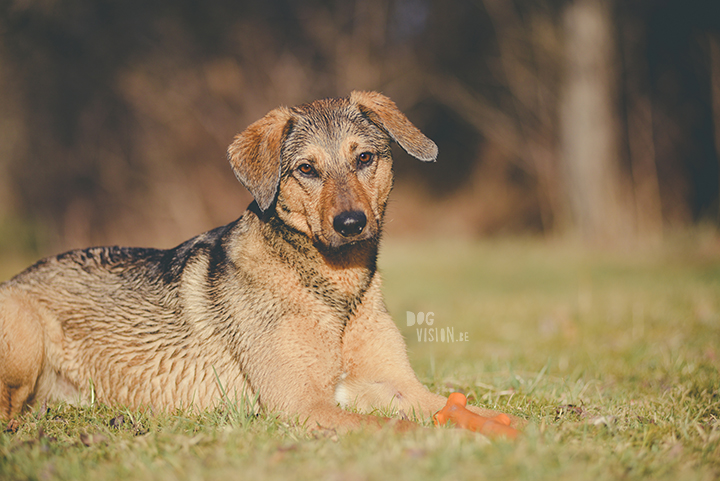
column 433, row 334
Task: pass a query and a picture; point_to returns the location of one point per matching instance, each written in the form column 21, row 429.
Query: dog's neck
column 339, row 277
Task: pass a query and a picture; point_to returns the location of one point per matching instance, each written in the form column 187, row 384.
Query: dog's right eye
column 365, row 159
column 307, row 170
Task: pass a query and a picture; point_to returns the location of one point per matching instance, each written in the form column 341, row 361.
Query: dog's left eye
column 307, row 169
column 365, row 159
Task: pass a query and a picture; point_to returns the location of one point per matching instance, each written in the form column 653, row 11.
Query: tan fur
column 283, row 305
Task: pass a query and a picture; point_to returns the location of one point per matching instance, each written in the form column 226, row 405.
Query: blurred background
column 590, row 119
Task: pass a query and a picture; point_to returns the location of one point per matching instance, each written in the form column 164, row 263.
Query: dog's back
column 121, row 319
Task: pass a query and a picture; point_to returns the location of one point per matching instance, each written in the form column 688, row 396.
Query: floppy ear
column 384, row 113
column 255, row 155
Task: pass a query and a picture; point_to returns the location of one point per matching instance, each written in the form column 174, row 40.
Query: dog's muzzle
column 350, row 224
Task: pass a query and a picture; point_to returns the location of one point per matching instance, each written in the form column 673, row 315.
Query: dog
column 282, row 306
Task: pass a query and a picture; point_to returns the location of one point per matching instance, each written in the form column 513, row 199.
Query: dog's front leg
column 294, row 373
column 377, row 372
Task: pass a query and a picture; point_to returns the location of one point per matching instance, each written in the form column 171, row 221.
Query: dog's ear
column 384, row 113
column 255, row 155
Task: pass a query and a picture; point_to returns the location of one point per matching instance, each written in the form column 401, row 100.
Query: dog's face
column 326, row 167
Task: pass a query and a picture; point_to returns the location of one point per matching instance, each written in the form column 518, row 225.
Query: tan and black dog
column 282, row 305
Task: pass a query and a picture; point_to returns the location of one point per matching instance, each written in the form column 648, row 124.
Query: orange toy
column 456, row 412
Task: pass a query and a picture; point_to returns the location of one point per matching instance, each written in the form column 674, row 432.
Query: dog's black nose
column 350, row 223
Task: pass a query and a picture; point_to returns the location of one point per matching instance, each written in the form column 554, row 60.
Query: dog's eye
column 307, row 169
column 365, row 159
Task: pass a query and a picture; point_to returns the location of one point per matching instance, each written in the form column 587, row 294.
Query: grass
column 612, row 358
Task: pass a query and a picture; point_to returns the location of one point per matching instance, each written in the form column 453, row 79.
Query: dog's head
column 326, row 167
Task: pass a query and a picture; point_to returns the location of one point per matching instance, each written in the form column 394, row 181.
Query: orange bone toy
column 456, row 412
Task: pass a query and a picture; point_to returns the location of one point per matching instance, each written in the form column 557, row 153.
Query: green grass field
column 612, row 358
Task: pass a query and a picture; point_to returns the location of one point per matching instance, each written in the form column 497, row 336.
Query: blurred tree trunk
column 640, row 135
column 588, row 122
column 714, row 41
column 11, row 134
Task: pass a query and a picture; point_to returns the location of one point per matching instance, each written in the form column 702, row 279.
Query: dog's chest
column 306, row 279
column 339, row 290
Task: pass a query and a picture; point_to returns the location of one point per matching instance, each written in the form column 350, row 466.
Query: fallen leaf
column 91, row 439
column 565, row 409
column 12, row 426
column 117, row 421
